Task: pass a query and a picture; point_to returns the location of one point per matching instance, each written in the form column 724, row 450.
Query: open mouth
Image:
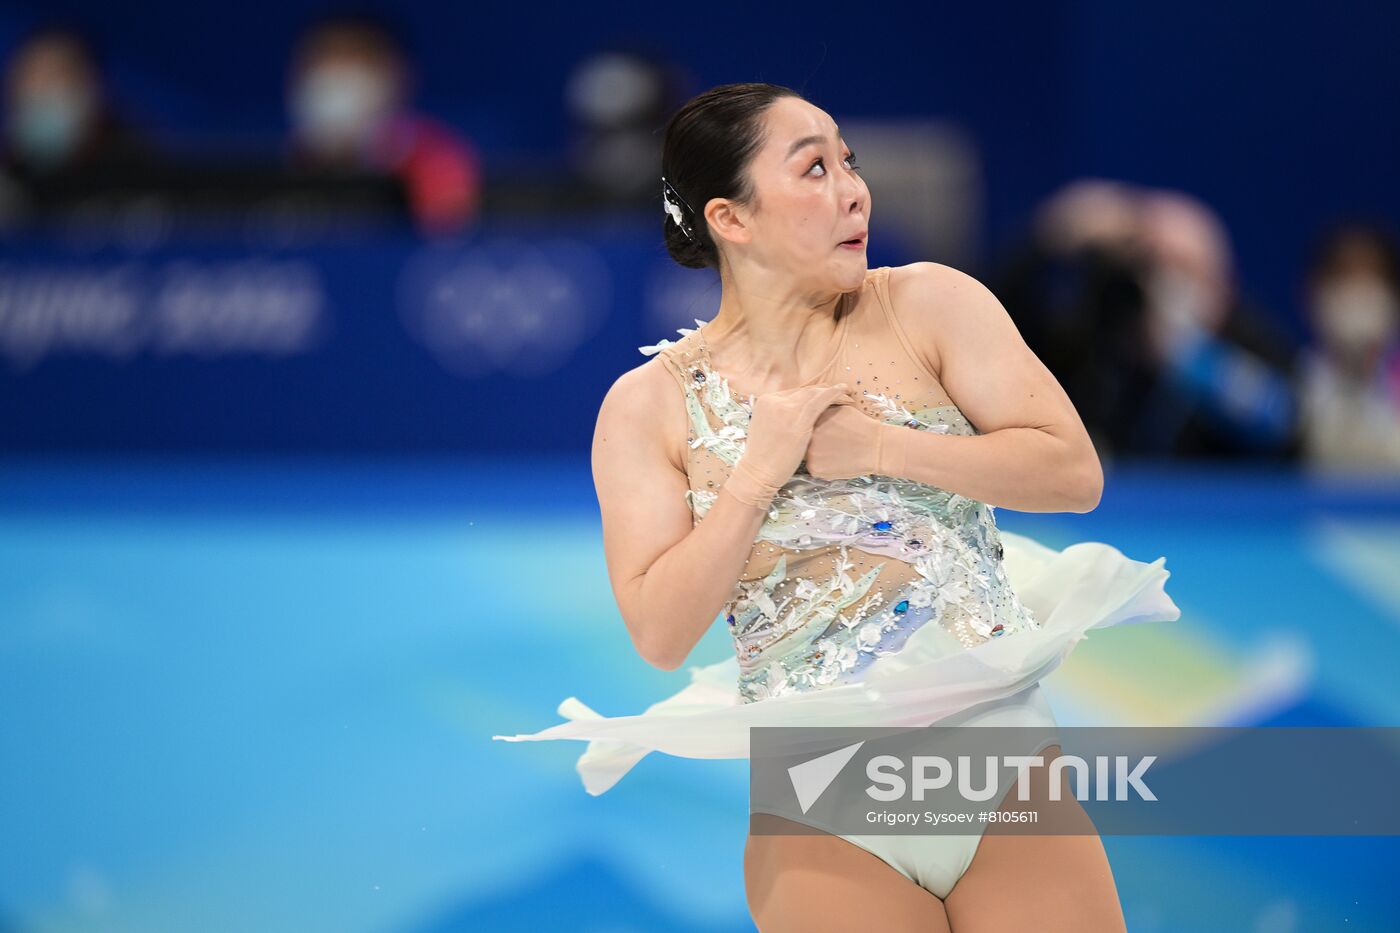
column 852, row 243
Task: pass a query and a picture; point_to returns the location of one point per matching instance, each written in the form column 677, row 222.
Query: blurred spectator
column 617, row 100
column 1074, row 287
column 1351, row 372
column 1227, row 386
column 1129, row 297
column 349, row 99
column 60, row 122
column 57, row 113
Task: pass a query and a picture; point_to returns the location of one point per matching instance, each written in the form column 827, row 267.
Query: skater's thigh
column 820, row 882
column 1061, row 882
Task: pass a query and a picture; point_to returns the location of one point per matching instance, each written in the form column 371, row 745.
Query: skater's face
column 808, row 200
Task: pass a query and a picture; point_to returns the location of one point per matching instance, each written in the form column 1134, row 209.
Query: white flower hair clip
column 673, row 202
column 675, row 211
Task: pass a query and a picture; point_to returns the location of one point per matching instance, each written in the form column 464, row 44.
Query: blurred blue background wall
column 1276, row 116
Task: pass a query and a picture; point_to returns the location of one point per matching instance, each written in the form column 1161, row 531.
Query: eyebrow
column 806, row 141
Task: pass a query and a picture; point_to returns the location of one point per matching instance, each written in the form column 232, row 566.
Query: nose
column 854, row 194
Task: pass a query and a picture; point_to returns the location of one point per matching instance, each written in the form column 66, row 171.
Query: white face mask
column 338, row 105
column 46, row 126
column 1182, row 299
column 1357, row 313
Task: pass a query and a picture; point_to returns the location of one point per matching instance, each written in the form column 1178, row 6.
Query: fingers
column 837, row 394
column 827, row 396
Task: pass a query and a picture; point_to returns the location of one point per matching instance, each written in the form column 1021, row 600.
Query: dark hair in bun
column 706, row 152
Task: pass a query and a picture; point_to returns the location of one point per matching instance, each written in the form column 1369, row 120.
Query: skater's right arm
column 669, row 575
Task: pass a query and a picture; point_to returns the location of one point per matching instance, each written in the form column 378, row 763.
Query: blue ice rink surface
column 259, row 696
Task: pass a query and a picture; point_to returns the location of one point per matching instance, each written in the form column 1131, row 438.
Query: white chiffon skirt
column 1085, row 586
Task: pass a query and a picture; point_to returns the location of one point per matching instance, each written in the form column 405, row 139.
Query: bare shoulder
column 642, row 408
column 934, row 302
column 931, row 288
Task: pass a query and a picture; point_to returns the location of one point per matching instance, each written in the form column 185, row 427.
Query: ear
column 728, row 220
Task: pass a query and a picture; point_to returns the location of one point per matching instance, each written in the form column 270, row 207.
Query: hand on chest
column 842, row 444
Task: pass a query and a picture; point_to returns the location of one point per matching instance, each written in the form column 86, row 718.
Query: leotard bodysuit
column 842, row 571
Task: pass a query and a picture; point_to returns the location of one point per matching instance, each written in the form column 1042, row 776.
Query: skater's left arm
column 1032, row 452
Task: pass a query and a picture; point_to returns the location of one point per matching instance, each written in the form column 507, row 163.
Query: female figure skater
column 806, row 467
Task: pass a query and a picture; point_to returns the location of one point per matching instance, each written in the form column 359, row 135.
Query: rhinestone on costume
column 901, row 607
column 730, row 620
column 998, row 629
column 699, row 375
column 882, row 525
column 912, row 423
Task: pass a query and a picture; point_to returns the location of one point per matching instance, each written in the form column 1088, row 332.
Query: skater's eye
column 821, row 160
